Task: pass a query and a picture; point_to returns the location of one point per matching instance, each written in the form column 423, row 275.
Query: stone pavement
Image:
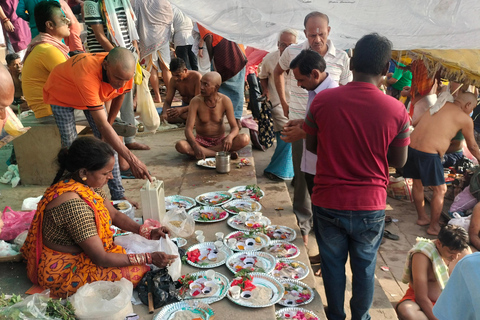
column 183, row 177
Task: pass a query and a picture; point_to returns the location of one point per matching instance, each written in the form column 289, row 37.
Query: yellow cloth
column 36, row 70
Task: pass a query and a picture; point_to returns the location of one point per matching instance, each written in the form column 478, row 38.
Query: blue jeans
column 339, row 233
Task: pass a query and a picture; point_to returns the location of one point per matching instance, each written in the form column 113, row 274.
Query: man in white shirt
column 183, row 39
column 338, row 63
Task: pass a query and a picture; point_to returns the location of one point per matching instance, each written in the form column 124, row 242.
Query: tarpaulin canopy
column 421, row 26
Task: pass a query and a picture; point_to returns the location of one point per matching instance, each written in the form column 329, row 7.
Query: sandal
column 388, row 219
column 387, row 234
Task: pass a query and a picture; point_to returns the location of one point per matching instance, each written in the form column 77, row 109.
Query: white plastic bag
column 30, row 204
column 179, row 222
column 460, row 221
column 103, row 300
column 167, row 246
column 146, row 106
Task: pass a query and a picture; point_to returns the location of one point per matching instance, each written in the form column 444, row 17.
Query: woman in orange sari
column 70, row 242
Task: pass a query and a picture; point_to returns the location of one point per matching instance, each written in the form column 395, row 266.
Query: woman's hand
column 162, row 260
column 158, row 233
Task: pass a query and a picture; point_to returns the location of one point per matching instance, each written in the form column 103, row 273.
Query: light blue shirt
column 461, row 297
column 309, row 160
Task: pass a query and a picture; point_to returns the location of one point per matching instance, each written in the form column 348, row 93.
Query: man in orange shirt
column 87, row 81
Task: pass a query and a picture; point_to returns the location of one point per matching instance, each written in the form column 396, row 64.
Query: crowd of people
column 337, row 135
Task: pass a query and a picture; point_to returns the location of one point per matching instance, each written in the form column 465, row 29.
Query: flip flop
column 387, row 234
column 388, row 219
column 127, row 174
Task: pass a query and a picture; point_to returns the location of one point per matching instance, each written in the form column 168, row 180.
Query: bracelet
column 200, row 48
column 138, row 259
column 148, row 255
column 5, row 20
column 145, row 231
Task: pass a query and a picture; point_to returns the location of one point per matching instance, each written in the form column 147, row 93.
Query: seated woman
column 70, row 242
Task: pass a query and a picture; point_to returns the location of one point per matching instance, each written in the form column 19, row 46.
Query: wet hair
column 307, row 61
column 85, row 152
column 454, row 237
column 43, row 12
column 177, row 64
column 371, row 54
column 9, row 58
column 314, row 14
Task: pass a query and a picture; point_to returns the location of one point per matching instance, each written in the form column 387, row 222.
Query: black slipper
column 387, row 234
column 388, row 219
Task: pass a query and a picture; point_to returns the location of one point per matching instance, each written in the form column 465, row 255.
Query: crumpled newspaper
column 11, row 176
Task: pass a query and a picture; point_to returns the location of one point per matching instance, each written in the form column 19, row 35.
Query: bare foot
column 423, row 221
column 137, row 146
column 433, row 230
column 318, row 273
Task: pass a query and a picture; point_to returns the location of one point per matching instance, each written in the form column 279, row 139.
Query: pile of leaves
column 6, row 302
column 56, row 309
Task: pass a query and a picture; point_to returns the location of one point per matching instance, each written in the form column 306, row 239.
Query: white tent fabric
column 409, row 24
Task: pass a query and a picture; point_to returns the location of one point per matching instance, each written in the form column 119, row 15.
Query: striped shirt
column 338, row 67
column 93, row 16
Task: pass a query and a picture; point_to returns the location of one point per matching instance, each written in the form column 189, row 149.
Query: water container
column 153, row 200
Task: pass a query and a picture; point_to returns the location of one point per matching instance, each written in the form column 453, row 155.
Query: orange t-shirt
column 80, row 83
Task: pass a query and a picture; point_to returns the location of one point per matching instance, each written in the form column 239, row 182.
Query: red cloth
column 356, row 125
column 255, row 57
column 409, row 295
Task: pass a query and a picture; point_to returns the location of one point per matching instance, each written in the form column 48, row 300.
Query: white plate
column 201, row 310
column 178, row 201
column 297, row 286
column 242, row 205
column 261, row 279
column 264, row 241
column 207, row 163
column 280, row 314
column 218, row 295
column 223, row 254
column 237, row 224
column 180, row 241
column 195, row 213
column 279, row 255
column 239, row 193
column 301, row 271
column 284, row 231
column 266, row 260
column 212, row 198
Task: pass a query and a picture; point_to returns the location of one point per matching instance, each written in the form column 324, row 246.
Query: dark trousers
column 254, row 92
column 185, row 53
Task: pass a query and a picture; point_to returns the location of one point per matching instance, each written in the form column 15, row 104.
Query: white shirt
column 338, row 67
column 266, row 68
column 182, row 28
column 309, row 160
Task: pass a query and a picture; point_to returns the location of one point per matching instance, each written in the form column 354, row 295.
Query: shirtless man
column 187, row 82
column 424, row 287
column 206, row 112
column 429, row 142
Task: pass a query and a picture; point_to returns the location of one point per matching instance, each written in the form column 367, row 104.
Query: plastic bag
column 103, row 300
column 32, row 308
column 146, row 106
column 31, row 203
column 15, row 222
column 460, row 221
column 165, row 289
column 400, row 188
column 463, row 201
column 179, row 222
column 169, row 247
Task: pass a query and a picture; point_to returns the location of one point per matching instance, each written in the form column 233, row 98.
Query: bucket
column 222, row 161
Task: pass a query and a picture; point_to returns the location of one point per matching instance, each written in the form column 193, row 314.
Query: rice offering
column 259, row 296
column 185, row 315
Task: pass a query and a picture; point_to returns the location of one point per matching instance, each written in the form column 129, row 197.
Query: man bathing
column 206, row 112
column 187, row 82
column 429, row 142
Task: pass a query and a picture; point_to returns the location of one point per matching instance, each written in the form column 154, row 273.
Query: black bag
column 165, row 290
column 266, row 135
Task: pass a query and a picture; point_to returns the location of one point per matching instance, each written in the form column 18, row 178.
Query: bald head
column 467, row 97
column 7, row 88
column 122, row 58
column 213, row 77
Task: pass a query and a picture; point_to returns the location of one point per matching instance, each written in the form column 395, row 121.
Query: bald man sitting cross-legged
column 206, row 112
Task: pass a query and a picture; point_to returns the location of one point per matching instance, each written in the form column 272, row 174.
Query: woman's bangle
column 139, row 259
column 145, row 231
column 200, row 48
column 5, row 20
column 148, row 255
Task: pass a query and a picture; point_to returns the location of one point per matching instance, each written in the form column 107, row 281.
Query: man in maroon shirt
column 357, row 132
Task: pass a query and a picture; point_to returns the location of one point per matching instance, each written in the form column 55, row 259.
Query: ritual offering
column 207, row 163
column 251, row 191
column 296, row 293
column 203, row 288
column 246, row 241
column 283, row 249
column 280, row 233
column 215, row 198
column 295, row 314
column 177, row 201
column 248, row 222
column 251, row 261
column 257, row 290
column 208, row 214
column 290, row 269
column 180, row 242
column 237, row 206
column 185, row 310
column 206, row 255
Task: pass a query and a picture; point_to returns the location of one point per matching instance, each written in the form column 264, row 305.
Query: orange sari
column 63, row 273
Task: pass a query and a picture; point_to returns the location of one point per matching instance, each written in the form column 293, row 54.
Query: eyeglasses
column 64, row 21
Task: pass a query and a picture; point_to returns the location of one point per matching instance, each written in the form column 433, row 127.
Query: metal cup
column 222, row 160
